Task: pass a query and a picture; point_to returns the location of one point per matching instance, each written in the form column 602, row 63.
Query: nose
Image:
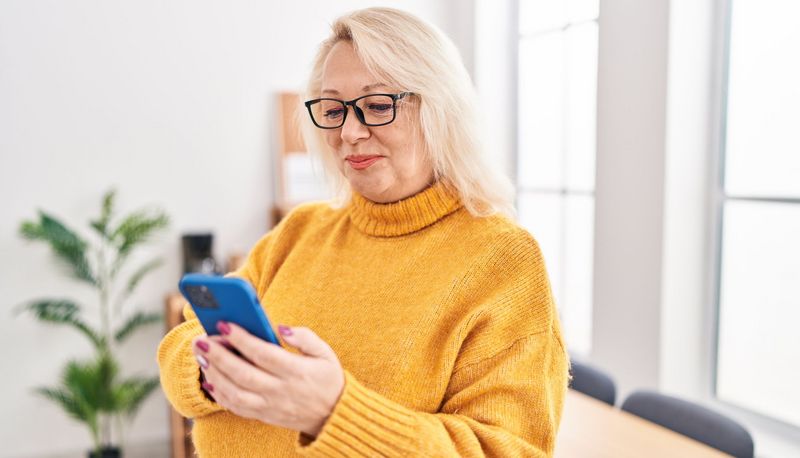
column 353, row 130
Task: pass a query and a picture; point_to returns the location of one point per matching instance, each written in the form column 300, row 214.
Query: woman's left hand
column 275, row 386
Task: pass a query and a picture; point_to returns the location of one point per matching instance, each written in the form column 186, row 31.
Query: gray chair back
column 594, row 382
column 692, row 420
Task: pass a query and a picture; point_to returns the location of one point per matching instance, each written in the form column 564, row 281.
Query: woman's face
column 401, row 169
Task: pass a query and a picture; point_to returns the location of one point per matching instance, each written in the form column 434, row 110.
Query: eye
column 379, row 107
column 334, row 113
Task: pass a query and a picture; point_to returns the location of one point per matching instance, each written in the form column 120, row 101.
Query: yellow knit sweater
column 444, row 323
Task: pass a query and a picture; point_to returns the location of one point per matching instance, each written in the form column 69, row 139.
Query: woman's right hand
column 269, row 383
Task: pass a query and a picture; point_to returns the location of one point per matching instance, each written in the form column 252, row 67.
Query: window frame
column 719, row 198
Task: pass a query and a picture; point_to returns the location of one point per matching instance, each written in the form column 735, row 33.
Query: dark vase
column 106, row 452
column 197, row 257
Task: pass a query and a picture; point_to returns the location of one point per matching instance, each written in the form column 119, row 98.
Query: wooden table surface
column 592, row 429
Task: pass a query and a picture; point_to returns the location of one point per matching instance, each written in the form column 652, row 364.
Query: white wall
column 629, row 190
column 686, row 326
column 171, row 102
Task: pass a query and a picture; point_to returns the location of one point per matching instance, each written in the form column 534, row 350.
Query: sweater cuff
column 188, row 372
column 194, row 394
column 363, row 422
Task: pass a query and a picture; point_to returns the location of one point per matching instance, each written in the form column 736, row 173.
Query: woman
column 417, row 316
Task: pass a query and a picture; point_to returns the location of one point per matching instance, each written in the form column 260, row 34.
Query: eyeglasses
column 371, row 110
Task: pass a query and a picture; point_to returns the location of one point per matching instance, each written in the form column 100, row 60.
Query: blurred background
column 653, row 145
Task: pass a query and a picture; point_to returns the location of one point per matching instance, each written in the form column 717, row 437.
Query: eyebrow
column 366, row 88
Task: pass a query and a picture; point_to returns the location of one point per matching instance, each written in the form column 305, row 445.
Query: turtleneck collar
column 404, row 216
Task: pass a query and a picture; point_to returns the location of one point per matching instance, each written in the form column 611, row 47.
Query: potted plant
column 93, row 391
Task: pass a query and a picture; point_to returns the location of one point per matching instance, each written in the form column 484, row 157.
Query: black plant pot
column 106, row 452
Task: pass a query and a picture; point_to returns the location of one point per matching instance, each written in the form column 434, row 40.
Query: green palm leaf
column 101, row 224
column 73, row 404
column 137, row 276
column 135, row 321
column 135, row 229
column 86, row 390
column 62, row 311
column 92, row 381
column 104, row 371
column 66, row 245
column 133, row 282
column 132, row 392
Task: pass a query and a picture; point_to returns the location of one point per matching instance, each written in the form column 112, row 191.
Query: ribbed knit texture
column 444, row 323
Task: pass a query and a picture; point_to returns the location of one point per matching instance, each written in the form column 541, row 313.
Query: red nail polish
column 203, row 345
column 208, row 387
column 223, row 328
column 285, row 330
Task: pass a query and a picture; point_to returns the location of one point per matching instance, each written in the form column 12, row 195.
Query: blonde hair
column 406, row 52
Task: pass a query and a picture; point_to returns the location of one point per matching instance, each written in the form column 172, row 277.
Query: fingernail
column 285, row 330
column 203, row 345
column 208, row 387
column 203, row 362
column 223, row 328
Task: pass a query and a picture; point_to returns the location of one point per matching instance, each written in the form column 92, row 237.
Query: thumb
column 306, row 341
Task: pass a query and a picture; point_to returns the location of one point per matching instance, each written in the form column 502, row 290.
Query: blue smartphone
column 215, row 299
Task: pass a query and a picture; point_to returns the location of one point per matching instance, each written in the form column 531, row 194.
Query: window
column 758, row 344
column 557, row 87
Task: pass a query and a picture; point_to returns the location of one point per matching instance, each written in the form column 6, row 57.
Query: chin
column 371, row 189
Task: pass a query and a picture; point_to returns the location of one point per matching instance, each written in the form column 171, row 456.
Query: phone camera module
column 201, row 296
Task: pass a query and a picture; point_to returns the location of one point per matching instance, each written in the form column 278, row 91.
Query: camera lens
column 201, row 296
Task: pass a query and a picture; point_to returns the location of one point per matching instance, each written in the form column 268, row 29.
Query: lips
column 362, row 162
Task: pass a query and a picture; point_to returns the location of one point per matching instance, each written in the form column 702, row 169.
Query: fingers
column 231, row 396
column 221, row 340
column 214, row 358
column 305, row 340
column 279, row 387
column 224, row 342
column 264, row 355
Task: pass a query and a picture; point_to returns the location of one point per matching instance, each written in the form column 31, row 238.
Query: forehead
column 344, row 74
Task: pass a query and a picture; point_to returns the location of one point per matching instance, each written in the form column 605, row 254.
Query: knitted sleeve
column 505, row 394
column 180, row 372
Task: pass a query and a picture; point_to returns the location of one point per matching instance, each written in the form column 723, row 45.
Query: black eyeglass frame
column 359, row 113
